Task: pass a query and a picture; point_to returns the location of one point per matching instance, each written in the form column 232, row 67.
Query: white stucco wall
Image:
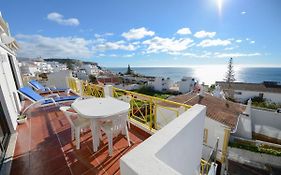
column 215, row 130
column 58, row 79
column 267, row 123
column 244, row 127
column 175, row 149
column 274, row 97
column 8, row 90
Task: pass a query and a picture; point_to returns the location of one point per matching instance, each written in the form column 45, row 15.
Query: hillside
column 68, row 61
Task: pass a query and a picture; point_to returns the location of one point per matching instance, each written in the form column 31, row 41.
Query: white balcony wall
column 267, row 123
column 8, row 90
column 175, row 149
column 214, row 130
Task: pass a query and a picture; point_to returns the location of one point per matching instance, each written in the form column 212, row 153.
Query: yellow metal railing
column 89, row 89
column 146, row 110
column 73, row 84
column 150, row 112
column 204, row 167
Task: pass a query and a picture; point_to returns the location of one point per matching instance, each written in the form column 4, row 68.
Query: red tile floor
column 44, row 146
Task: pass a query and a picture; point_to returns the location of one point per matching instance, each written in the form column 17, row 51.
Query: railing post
column 150, row 113
column 81, row 88
column 108, row 91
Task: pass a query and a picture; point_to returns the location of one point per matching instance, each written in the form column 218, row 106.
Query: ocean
column 209, row 74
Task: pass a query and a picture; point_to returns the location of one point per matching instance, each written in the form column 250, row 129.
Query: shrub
column 258, row 149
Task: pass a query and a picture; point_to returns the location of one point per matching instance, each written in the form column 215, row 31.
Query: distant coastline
column 209, row 74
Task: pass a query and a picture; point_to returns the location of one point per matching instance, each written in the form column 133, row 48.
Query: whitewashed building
column 90, row 69
column 186, row 84
column 28, row 69
column 161, row 84
column 56, row 66
column 271, row 91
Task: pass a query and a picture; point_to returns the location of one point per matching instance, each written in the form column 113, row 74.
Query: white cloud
column 137, row 33
column 252, row 42
column 158, row 44
column 227, row 55
column 115, row 55
column 229, row 48
column 118, row 45
column 58, row 18
column 204, row 34
column 239, row 41
column 243, row 13
column 214, row 42
column 62, row 47
column 184, row 31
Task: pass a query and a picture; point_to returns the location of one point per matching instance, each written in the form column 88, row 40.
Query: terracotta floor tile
column 21, row 164
column 62, row 171
column 48, row 167
column 44, row 146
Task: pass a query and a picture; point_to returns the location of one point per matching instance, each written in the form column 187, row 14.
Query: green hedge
column 259, row 149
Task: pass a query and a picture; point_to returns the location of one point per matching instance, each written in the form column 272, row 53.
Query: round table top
column 99, row 107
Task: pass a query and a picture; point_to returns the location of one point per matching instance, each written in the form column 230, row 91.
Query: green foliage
column 93, row 79
column 69, row 65
column 212, row 88
column 150, row 91
column 229, row 77
column 129, row 70
column 21, row 117
column 262, row 103
column 258, row 149
column 258, row 99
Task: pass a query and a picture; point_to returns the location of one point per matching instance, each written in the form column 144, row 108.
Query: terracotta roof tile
column 223, row 111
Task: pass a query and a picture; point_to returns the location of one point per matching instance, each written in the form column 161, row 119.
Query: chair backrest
column 30, row 94
column 36, row 85
column 68, row 114
column 118, row 121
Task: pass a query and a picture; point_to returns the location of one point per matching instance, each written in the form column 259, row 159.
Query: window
column 238, row 93
column 205, row 136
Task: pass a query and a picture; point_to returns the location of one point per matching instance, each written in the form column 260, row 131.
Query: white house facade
column 271, row 91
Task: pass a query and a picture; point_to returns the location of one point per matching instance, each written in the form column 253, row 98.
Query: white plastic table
column 99, row 108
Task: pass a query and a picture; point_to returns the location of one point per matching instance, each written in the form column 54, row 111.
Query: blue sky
column 149, row 33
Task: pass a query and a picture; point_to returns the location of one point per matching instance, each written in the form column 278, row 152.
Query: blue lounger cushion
column 39, row 86
column 30, row 93
column 60, row 99
column 27, row 91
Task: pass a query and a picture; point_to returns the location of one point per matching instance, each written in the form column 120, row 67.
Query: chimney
column 201, row 92
column 248, row 108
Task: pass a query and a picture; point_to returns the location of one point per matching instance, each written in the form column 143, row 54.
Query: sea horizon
column 209, row 74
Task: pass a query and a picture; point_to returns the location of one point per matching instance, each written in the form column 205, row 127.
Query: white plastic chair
column 112, row 126
column 77, row 124
column 126, row 98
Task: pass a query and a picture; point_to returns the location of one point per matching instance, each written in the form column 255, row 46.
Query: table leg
column 95, row 134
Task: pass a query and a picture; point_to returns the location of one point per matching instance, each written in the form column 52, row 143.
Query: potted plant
column 21, row 119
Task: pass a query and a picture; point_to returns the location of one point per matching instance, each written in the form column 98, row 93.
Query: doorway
column 4, row 134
